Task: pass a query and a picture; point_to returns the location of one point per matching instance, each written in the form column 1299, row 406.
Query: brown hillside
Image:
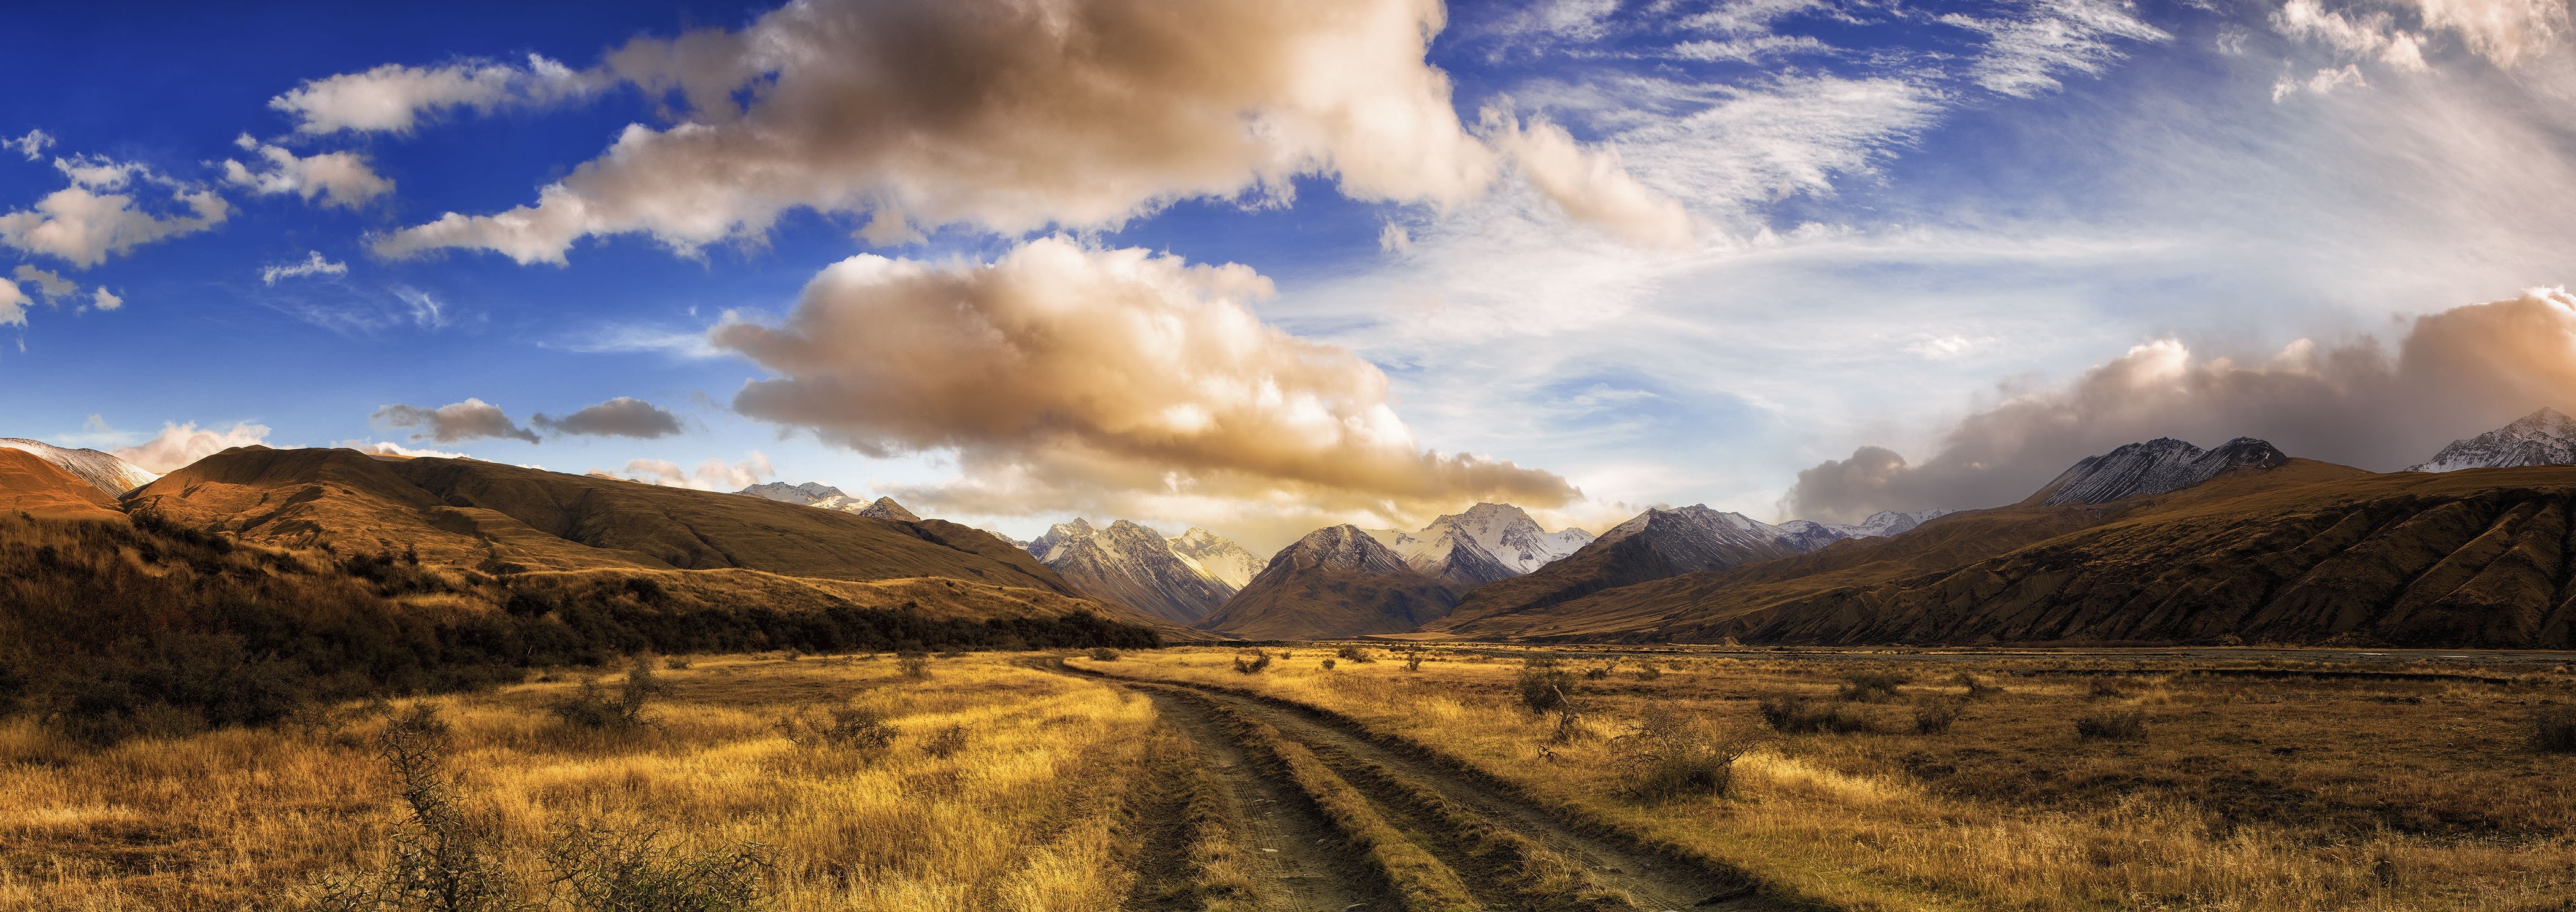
column 1327, row 604
column 37, row 487
column 496, row 517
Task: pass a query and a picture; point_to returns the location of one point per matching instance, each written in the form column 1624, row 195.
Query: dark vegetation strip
column 110, row 630
column 1188, row 859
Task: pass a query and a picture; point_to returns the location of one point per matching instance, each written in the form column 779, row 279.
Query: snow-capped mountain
column 1134, row 566
column 1217, row 556
column 1702, row 538
column 1487, row 543
column 104, row 472
column 1889, row 522
column 808, row 493
column 2155, row 467
column 880, row 508
column 1337, row 581
column 2545, row 437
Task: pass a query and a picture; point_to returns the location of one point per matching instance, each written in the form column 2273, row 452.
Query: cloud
column 341, row 178
column 13, row 304
column 2454, row 374
column 32, row 145
column 2025, row 52
column 104, row 299
column 98, row 216
column 472, row 419
column 51, row 285
column 1061, row 372
column 619, row 417
column 313, row 264
column 1007, row 118
column 712, row 475
column 396, row 449
column 180, row 444
column 1590, row 185
column 394, row 98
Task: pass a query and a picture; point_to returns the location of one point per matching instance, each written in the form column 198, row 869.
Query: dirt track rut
column 1297, row 861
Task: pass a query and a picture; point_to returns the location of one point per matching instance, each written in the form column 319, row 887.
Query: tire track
column 1296, row 860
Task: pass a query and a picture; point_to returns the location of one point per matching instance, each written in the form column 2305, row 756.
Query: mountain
column 1133, row 566
column 1889, row 522
column 2155, row 467
column 880, row 508
column 1656, row 544
column 806, row 494
column 1217, row 557
column 102, row 471
column 2541, row 438
column 1336, row 582
column 36, row 486
column 1487, row 543
column 501, row 519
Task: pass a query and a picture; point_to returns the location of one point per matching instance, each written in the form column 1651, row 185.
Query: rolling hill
column 33, row 485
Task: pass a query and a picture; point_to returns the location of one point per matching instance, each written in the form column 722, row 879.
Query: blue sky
column 1620, row 254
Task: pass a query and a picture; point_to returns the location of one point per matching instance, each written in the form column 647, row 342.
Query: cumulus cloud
column 13, row 304
column 180, row 444
column 711, row 475
column 620, row 417
column 99, row 215
column 313, row 264
column 472, row 419
column 104, row 299
column 341, row 179
column 51, row 285
column 2025, row 52
column 395, row 449
column 1590, row 185
column 1061, row 372
column 394, row 98
column 32, row 145
column 1009, row 117
column 2453, row 374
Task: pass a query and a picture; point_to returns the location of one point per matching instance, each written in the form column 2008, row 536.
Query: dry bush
column 945, row 742
column 2105, row 689
column 1674, row 754
column 1794, row 714
column 594, row 709
column 1933, row 715
column 915, row 665
column 2553, row 730
column 1355, row 654
column 1977, row 689
column 848, row 728
column 1598, row 673
column 600, row 869
column 1413, row 660
column 1328, row 663
column 2112, row 726
column 1104, row 654
column 1253, row 664
column 1543, row 689
column 1646, row 671
column 444, row 860
column 1872, row 686
column 676, row 663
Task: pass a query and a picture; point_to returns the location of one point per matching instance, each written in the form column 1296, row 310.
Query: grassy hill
column 31, row 485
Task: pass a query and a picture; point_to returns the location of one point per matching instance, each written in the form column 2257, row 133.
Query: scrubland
column 2279, row 787
column 1002, row 788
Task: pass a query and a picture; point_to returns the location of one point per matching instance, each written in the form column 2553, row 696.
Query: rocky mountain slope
column 1133, row 566
column 2545, row 437
column 1336, row 582
column 806, row 494
column 1488, row 542
column 102, row 471
column 1656, row 544
column 2154, row 467
column 880, row 508
column 31, row 484
column 1218, row 557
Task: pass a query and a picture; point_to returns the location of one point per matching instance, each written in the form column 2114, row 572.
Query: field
column 1171, row 780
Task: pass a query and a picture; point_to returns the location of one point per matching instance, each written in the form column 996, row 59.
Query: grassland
column 2247, row 791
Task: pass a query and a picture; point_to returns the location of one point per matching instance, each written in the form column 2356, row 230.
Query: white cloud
column 180, row 444
column 712, row 475
column 396, row 449
column 394, row 98
column 98, row 215
column 53, row 286
column 313, row 264
column 426, row 311
column 104, row 299
column 1589, row 184
column 2028, row 47
column 341, row 178
column 13, row 304
column 1008, row 119
column 32, row 145
column 472, row 419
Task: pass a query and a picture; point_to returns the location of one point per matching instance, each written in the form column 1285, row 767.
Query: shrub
column 915, row 665
column 945, row 742
column 1597, row 673
column 2105, row 688
column 593, row 708
column 1674, row 754
column 850, row 728
column 1355, row 654
column 2113, row 726
column 608, row 870
column 1253, row 664
column 1977, row 690
column 1792, row 714
column 1648, row 672
column 1537, row 661
column 1104, row 654
column 1872, row 686
column 2553, row 730
column 1544, row 689
column 676, row 663
column 1933, row 715
column 1328, row 663
column 443, row 860
column 1413, row 660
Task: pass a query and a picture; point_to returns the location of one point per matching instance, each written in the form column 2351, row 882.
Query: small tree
column 608, row 870
column 1104, row 654
column 1673, row 754
column 1413, row 660
column 1253, row 664
column 443, row 859
column 851, row 728
column 1544, row 689
column 1355, row 654
column 1933, row 715
column 915, row 665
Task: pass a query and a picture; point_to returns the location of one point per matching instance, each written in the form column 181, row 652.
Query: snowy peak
column 2545, row 437
column 1488, row 542
column 1346, row 548
column 1889, row 522
column 102, row 471
column 1217, row 556
column 2154, row 467
column 1138, row 567
column 805, row 494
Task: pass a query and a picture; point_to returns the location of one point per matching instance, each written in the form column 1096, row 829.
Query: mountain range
column 1138, row 567
column 2545, row 437
column 100, row 470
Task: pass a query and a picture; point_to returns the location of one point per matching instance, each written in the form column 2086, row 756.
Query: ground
column 1169, row 780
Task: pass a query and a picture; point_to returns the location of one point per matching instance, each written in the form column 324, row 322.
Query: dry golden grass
column 2246, row 794
column 1024, row 814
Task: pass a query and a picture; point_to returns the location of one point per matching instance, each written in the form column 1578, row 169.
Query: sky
column 1262, row 267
